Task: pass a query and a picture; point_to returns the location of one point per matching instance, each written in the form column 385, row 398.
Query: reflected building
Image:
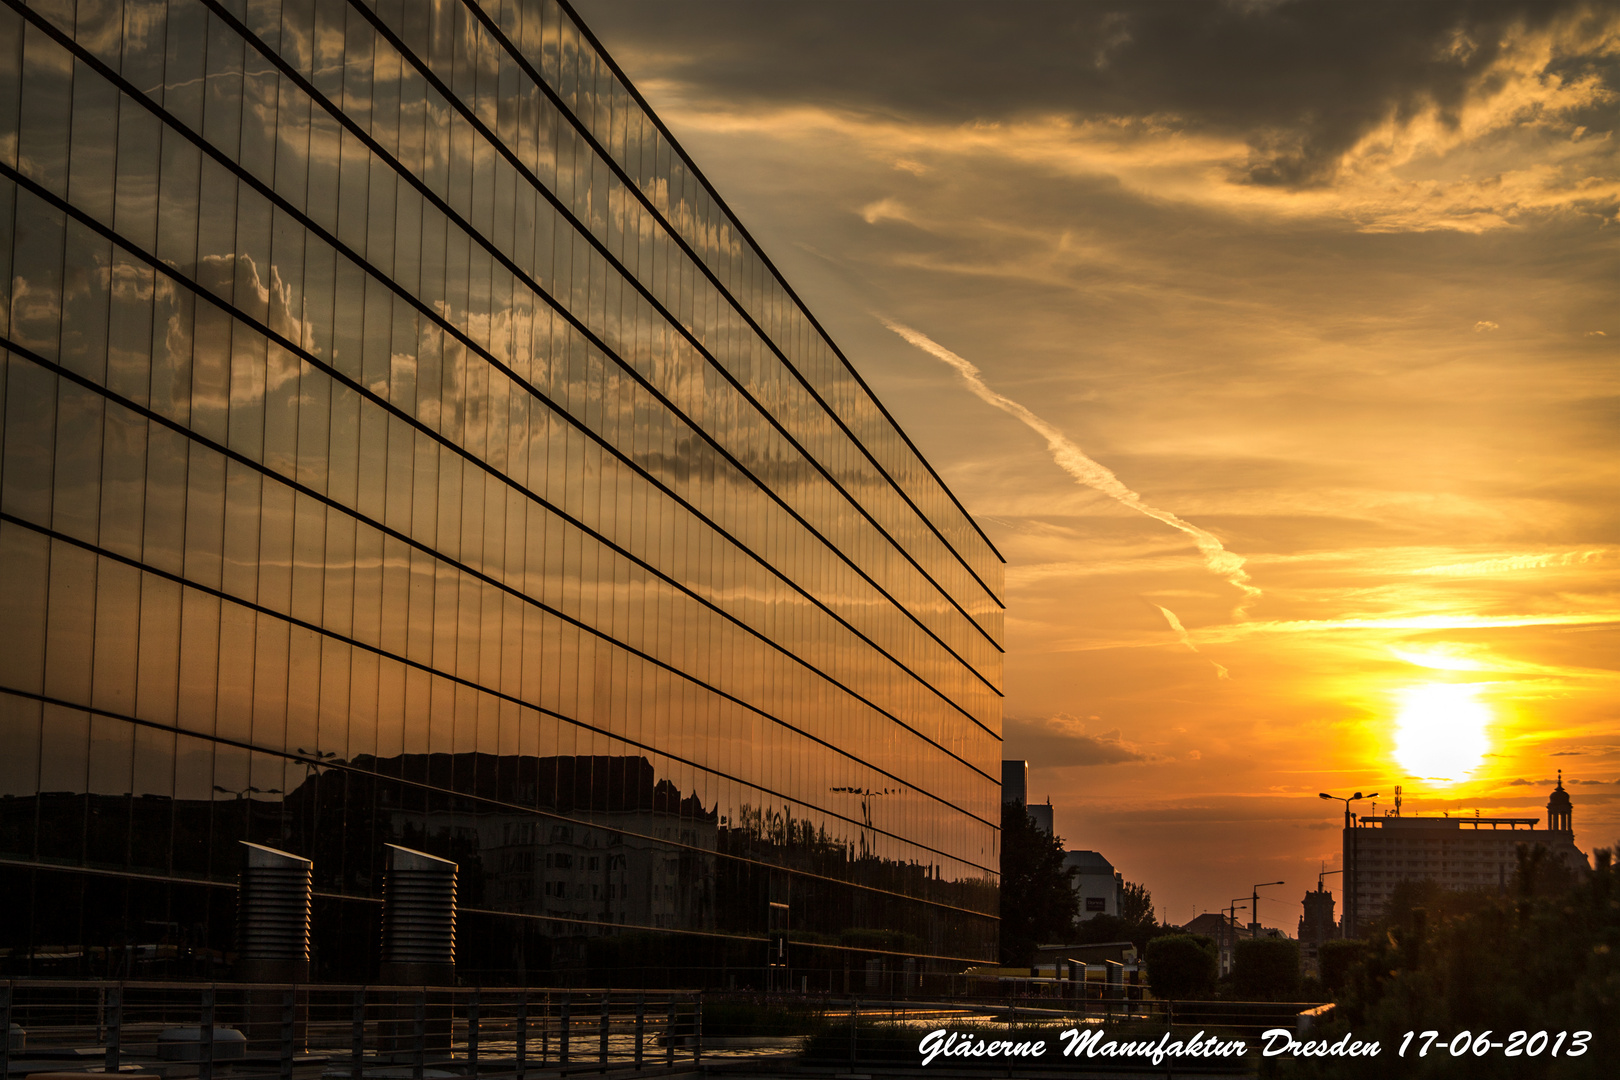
column 404, row 444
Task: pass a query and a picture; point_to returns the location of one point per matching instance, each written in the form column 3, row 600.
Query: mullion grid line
column 677, row 324
column 333, row 504
column 268, row 335
column 305, row 759
column 765, row 264
column 468, row 343
column 304, row 624
column 453, row 217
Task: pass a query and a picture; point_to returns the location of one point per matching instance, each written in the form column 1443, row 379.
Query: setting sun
column 1440, row 731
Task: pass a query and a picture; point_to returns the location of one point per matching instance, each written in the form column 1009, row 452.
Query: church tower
column 1560, row 812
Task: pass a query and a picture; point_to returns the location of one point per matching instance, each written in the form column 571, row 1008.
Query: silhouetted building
column 1015, row 788
column 1015, row 781
column 1218, row 927
column 1316, row 925
column 1454, row 852
column 403, row 443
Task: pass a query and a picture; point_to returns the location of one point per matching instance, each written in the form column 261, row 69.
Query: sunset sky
column 1275, row 345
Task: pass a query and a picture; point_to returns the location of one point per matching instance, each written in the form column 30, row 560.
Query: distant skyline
column 1276, row 347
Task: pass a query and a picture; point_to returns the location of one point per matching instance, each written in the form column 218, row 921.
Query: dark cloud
column 1301, row 81
column 1549, row 783
column 1059, row 742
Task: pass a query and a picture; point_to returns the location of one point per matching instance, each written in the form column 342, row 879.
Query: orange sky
column 1275, row 345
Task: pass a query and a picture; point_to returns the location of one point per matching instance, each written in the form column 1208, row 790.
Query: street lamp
column 1254, row 902
column 1350, row 880
column 323, row 759
column 1229, row 946
column 249, row 790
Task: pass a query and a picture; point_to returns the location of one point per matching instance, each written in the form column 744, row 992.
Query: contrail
column 1186, row 639
column 1074, row 461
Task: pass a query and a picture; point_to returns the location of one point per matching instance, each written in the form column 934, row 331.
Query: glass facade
column 403, row 444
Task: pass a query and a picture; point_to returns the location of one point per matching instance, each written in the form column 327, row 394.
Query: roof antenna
column 1397, row 800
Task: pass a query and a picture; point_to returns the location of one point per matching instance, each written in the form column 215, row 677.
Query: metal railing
column 1241, row 1019
column 208, row 1031
column 293, row 1032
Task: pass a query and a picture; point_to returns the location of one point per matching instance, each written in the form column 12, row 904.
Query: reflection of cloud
column 1077, row 464
column 1058, row 741
column 1485, row 325
column 884, row 209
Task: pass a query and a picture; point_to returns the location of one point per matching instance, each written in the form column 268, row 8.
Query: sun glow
column 1440, row 731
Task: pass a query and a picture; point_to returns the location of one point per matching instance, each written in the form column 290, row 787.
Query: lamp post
column 1351, row 882
column 1254, row 905
column 1229, row 946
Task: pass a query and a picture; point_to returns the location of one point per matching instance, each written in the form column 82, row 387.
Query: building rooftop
column 1088, row 862
column 1392, row 822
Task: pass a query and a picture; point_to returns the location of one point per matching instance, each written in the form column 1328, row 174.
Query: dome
column 1559, row 799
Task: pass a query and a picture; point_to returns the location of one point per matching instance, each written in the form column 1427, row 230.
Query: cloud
column 1186, row 639
column 882, row 210
column 1438, row 658
column 1399, row 116
column 1077, row 464
column 1407, row 622
column 1061, row 741
column 1314, row 76
column 1511, row 563
column 1485, row 326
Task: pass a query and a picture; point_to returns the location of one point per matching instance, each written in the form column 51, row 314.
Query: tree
column 1038, row 902
column 1136, row 905
column 1266, row 969
column 1545, row 957
column 1182, row 966
column 1338, row 960
column 1136, row 922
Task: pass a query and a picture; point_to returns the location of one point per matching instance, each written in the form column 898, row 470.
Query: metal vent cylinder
column 272, row 915
column 419, row 908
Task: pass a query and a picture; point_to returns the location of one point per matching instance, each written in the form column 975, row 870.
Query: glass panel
column 77, row 500
column 94, row 141
column 26, row 556
column 117, row 620
column 47, row 104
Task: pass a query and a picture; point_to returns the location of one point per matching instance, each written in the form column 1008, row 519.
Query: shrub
column 1338, row 960
column 1266, row 969
column 1181, row 966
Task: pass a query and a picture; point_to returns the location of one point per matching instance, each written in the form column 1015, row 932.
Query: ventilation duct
column 272, row 915
column 419, row 916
